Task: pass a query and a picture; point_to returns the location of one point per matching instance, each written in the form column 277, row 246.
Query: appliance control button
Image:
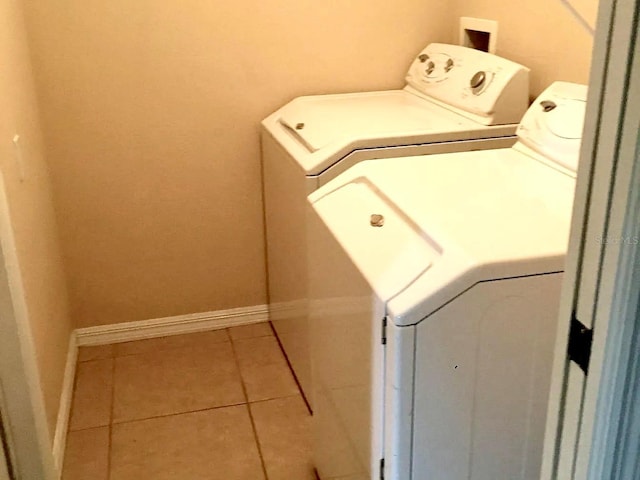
column 423, row 57
column 376, row 220
column 548, row 105
column 299, row 126
column 478, row 80
column 430, row 67
column 449, row 65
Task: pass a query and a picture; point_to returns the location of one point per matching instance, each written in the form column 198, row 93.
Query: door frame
column 24, row 418
column 615, row 408
column 602, row 268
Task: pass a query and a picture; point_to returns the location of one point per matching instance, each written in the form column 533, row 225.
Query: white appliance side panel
column 398, row 408
column 285, row 192
column 345, row 319
column 482, row 373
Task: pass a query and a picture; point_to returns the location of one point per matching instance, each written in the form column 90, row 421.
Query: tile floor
column 212, row 405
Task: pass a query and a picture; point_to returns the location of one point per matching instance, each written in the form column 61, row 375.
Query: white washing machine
column 456, row 99
column 434, row 286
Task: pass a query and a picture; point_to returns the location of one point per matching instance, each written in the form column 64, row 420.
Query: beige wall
column 540, row 34
column 151, row 111
column 31, row 209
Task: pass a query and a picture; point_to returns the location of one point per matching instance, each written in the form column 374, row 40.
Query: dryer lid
column 386, row 246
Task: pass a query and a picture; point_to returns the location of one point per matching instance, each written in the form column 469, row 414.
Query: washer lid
column 487, row 214
column 319, row 121
column 333, row 126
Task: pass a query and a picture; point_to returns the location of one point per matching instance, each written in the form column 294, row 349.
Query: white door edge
column 600, row 256
column 24, row 414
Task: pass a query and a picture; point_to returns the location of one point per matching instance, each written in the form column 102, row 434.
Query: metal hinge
column 384, row 331
column 382, row 469
column 580, row 341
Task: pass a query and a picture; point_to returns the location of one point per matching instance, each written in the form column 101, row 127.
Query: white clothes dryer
column 434, row 286
column 456, row 99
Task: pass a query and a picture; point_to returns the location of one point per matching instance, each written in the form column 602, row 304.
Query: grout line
column 275, row 398
column 88, row 428
column 237, row 362
column 87, row 360
column 175, row 414
column 253, row 423
column 257, row 440
column 134, row 420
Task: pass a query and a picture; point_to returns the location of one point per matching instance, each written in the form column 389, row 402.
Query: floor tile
column 262, row 329
column 96, row 352
column 264, row 382
column 264, row 370
column 173, row 341
column 92, row 396
column 284, row 433
column 174, row 381
column 87, row 455
column 258, row 351
column 214, row 444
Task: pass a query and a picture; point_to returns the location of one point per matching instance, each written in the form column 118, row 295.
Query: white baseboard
column 160, row 327
column 64, row 410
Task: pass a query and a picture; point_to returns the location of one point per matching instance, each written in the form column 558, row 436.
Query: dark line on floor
column 246, row 397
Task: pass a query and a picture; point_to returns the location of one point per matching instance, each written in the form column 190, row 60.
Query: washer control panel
column 468, row 79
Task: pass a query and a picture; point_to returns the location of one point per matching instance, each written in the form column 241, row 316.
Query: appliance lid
column 395, row 118
column 385, row 245
column 319, row 121
column 493, row 214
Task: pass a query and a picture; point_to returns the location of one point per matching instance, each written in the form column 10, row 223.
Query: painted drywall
column 542, row 35
column 31, row 209
column 151, row 111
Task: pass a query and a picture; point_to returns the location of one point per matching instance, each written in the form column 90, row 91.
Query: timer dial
column 478, row 82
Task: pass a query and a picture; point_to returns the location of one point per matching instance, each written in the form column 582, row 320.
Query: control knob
column 477, row 82
column 423, row 57
column 449, row 65
column 547, row 105
column 430, row 67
